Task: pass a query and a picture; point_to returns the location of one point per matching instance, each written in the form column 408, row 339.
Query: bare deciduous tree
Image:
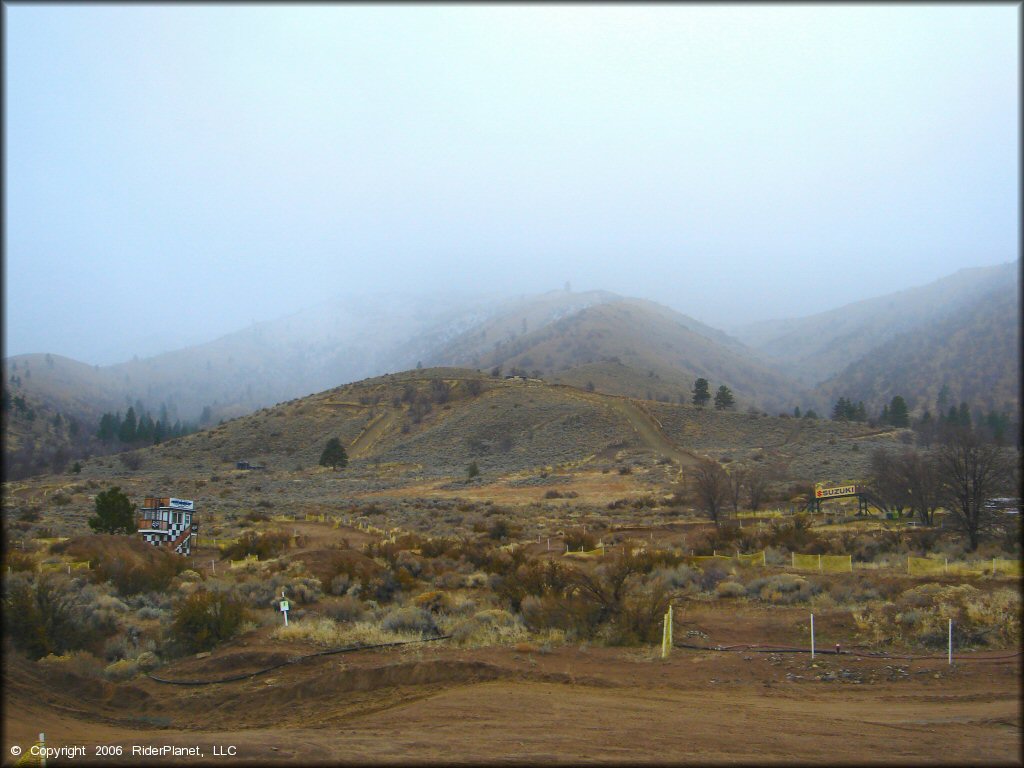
column 710, row 484
column 972, row 474
column 886, row 490
column 737, row 478
column 757, row 487
column 921, row 473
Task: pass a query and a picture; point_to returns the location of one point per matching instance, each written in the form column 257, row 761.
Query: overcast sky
column 174, row 172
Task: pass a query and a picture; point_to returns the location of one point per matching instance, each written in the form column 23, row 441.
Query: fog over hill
column 811, row 349
column 621, row 345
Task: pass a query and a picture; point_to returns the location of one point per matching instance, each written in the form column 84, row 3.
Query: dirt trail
column 650, row 431
column 598, row 705
column 363, row 445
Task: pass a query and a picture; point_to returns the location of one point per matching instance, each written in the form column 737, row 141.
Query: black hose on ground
column 296, row 660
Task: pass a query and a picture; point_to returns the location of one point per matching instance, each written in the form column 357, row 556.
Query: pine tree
column 114, row 512
column 701, row 395
column 899, row 416
column 724, row 398
column 963, row 416
column 334, row 455
column 107, row 429
column 842, row 410
column 128, row 427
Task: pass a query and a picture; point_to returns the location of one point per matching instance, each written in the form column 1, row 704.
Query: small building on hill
column 168, row 522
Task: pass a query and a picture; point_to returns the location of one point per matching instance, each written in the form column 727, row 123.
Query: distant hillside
column 975, row 351
column 623, row 346
column 307, row 352
column 428, row 425
column 811, row 349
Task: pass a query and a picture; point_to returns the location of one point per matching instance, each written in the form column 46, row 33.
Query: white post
column 213, row 563
column 950, row 656
column 670, row 626
column 42, row 749
column 812, row 635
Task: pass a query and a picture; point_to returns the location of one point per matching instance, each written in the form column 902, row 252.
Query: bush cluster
column 264, row 545
column 205, row 619
column 54, row 614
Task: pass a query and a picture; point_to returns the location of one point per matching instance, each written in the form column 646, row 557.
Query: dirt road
column 437, row 704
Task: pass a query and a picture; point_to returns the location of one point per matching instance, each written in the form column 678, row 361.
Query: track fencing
column 932, row 566
column 823, row 563
column 64, row 566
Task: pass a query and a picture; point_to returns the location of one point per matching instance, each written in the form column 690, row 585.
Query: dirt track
column 438, row 704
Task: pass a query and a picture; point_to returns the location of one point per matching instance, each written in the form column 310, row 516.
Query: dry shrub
column 576, row 617
column 730, row 588
column 19, row 561
column 368, row 633
column 846, row 593
column 410, row 619
column 322, row 631
column 488, row 628
column 921, row 615
column 205, row 619
column 80, row 663
column 576, row 539
column 680, row 578
column 783, row 589
column 639, row 620
column 53, row 614
column 712, row 574
column 263, row 592
column 346, row 608
column 147, row 661
column 434, row 548
column 434, row 601
column 264, row 545
column 125, row 669
column 129, row 563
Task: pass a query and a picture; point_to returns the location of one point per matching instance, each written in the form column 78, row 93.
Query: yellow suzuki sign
column 828, row 493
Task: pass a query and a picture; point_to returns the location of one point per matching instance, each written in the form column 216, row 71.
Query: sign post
column 284, row 608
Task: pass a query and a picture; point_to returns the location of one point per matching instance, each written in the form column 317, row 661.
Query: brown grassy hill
column 975, row 351
column 630, row 347
column 406, row 428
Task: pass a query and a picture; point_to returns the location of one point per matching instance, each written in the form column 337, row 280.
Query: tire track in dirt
column 646, row 427
column 371, row 435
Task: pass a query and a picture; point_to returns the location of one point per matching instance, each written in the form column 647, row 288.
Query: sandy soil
column 440, row 704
